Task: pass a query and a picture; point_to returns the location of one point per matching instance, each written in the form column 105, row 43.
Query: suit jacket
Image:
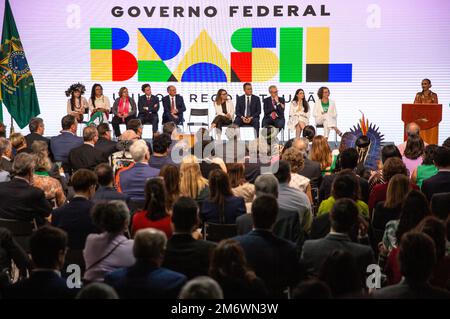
column 6, row 164
column 316, row 251
column 131, row 180
column 104, row 193
column 255, row 106
column 439, row 183
column 45, row 284
column 179, row 104
column 405, row 290
column 62, row 144
column 132, row 110
column 107, row 147
column 142, row 102
column 268, row 107
column 233, row 208
column 327, row 181
column 86, row 156
column 142, row 281
column 32, row 137
column 273, row 259
column 188, row 256
column 312, row 170
column 75, row 218
column 19, row 200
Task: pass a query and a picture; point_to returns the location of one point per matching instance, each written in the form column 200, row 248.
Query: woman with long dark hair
column 427, row 169
column 171, row 175
column 224, row 110
column 229, row 268
column 222, row 207
column 99, row 105
column 299, row 113
column 77, row 105
column 154, row 214
column 414, row 150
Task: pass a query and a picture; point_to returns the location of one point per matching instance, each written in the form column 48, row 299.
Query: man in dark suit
column 5, row 155
column 148, row 106
column 439, row 183
column 417, row 259
column 37, row 128
column 349, row 161
column 174, row 107
column 146, row 279
column 62, row 144
column 106, row 190
column 184, row 254
column 104, row 143
column 19, row 199
column 248, row 109
column 343, row 217
column 273, row 259
column 274, row 109
column 48, row 249
column 75, row 216
column 310, row 168
column 86, row 155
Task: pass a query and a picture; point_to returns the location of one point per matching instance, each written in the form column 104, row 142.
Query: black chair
column 21, row 231
column 217, row 232
column 440, row 205
column 198, row 113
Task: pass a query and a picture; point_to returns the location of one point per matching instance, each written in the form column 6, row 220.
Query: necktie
column 274, row 114
column 247, row 108
column 172, row 106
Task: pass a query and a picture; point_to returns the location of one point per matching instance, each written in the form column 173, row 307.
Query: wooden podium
column 427, row 116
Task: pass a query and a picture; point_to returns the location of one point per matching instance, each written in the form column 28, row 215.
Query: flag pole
column 11, row 129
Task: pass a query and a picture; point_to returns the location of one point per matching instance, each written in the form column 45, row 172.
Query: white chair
column 147, row 131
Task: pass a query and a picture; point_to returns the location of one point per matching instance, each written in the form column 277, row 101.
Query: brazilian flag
column 18, row 92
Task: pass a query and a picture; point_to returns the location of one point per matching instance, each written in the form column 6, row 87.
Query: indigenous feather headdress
column 76, row 87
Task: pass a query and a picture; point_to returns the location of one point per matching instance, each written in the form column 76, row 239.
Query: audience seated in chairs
column 19, row 143
column 310, row 169
column 75, row 217
column 87, row 156
column 439, row 183
column 36, row 127
column 20, row 200
column 185, row 253
column 192, row 183
column 295, row 158
column 201, row 287
column 5, row 157
column 171, row 177
column 111, row 249
column 106, row 190
column 48, row 249
column 161, row 155
column 146, row 278
column 229, row 268
column 377, row 177
column 105, row 143
column 155, row 213
column 264, row 251
column 239, row 186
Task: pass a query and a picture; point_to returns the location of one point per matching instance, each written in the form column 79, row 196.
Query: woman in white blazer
column 299, row 113
column 325, row 112
column 224, row 110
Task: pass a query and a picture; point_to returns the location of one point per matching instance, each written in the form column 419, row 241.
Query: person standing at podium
column 426, row 96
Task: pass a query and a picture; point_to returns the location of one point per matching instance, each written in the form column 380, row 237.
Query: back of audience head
column 90, row 134
column 155, row 199
column 236, row 174
column 446, row 143
column 344, row 216
column 440, row 205
column 69, row 122
column 393, row 166
column 171, row 175
column 389, row 151
column 417, row 257
column 18, row 141
column 40, row 153
column 23, row 165
column 139, row 151
column 264, row 211
column 340, row 272
column 301, row 144
column 442, row 157
column 295, row 158
column 309, row 132
column 103, row 129
column 5, row 146
column 36, row 125
column 415, row 208
column 412, row 128
column 97, row 290
column 312, row 289
column 283, row 173
column 345, row 185
column 435, row 228
column 169, row 128
column 84, row 181
column 349, row 158
column 398, row 188
column 202, row 287
column 48, row 247
column 105, row 174
column 414, row 147
column 161, row 143
column 185, row 215
column 150, row 245
column 321, row 152
column 428, row 155
column 111, row 217
column 135, row 125
column 266, row 184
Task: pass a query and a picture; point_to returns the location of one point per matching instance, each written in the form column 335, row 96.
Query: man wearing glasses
column 274, row 109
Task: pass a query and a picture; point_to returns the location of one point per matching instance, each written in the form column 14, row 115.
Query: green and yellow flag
column 18, row 92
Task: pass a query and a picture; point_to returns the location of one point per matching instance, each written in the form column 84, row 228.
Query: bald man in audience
column 411, row 129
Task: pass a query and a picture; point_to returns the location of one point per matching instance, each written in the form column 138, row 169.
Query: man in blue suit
column 174, row 107
column 273, row 259
column 148, row 106
column 146, row 279
column 274, row 109
column 62, row 144
column 248, row 109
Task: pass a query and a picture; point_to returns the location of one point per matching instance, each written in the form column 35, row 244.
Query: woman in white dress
column 325, row 112
column 224, row 110
column 99, row 105
column 299, row 113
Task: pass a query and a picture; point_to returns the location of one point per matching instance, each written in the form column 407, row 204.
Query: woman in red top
column 155, row 213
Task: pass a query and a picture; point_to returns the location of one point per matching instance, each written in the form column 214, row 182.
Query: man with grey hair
column 131, row 180
column 146, row 279
column 202, row 287
column 310, row 168
column 274, row 109
column 19, row 199
column 36, row 127
column 410, row 129
column 87, row 156
column 174, row 107
column 6, row 154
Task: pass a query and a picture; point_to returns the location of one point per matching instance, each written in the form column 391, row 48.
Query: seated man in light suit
column 248, row 109
column 274, row 109
column 174, row 107
column 148, row 106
